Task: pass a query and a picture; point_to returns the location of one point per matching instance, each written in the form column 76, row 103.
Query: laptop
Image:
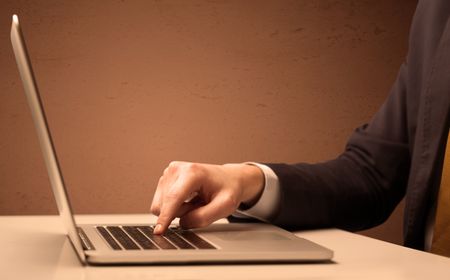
column 136, row 243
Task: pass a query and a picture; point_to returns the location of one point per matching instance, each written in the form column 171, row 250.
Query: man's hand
column 202, row 193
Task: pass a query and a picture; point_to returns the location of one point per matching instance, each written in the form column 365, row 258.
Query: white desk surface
column 35, row 247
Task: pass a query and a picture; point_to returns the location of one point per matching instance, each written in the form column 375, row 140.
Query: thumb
column 221, row 206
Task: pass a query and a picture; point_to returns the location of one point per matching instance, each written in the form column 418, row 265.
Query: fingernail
column 157, row 229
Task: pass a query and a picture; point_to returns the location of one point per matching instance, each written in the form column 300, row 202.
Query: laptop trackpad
column 254, row 236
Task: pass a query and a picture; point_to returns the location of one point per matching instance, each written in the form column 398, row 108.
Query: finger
column 169, row 176
column 220, row 207
column 185, row 208
column 173, row 199
column 156, row 202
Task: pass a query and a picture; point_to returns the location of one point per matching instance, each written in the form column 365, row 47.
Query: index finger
column 180, row 191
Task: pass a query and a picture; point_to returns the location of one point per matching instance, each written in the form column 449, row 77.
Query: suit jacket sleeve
column 361, row 187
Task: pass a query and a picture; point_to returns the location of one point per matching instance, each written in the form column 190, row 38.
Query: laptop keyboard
column 142, row 238
column 162, row 242
column 107, row 236
column 126, row 242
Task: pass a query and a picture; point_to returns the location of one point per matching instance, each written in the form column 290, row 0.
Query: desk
column 35, row 247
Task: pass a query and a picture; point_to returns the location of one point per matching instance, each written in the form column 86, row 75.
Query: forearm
column 357, row 190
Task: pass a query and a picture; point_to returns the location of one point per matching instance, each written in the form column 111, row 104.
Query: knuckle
column 155, row 210
column 172, row 194
column 173, row 166
column 194, row 170
column 230, row 201
column 192, row 167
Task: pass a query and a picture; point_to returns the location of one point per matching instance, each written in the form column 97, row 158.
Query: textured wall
column 129, row 86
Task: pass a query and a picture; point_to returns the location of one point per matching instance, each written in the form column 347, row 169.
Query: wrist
column 250, row 181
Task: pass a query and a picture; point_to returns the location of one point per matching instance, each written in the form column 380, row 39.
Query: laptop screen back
column 45, row 140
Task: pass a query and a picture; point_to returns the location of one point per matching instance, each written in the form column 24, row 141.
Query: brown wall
column 131, row 85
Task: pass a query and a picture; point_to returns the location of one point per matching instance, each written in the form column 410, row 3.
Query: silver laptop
column 135, row 243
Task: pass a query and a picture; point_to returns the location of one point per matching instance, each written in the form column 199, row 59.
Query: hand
column 202, row 193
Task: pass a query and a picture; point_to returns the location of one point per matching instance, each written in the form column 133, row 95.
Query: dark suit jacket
column 400, row 151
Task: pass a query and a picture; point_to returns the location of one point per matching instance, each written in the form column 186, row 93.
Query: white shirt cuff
column 266, row 206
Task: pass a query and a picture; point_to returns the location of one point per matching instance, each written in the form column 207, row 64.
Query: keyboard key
column 109, row 239
column 140, row 238
column 157, row 239
column 177, row 240
column 194, row 239
column 123, row 238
